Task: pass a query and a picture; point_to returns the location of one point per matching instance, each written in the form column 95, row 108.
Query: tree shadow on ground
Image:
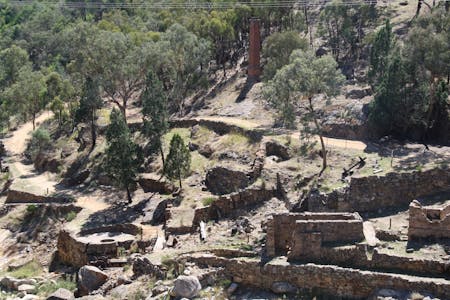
column 116, row 214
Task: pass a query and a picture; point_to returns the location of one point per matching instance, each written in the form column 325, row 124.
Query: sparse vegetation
column 29, row 270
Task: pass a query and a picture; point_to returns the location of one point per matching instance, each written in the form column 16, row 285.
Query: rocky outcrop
column 221, row 180
column 153, row 184
column 186, row 287
column 90, row 279
column 141, row 265
column 376, row 193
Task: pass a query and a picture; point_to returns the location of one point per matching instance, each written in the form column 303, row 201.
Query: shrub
column 208, row 201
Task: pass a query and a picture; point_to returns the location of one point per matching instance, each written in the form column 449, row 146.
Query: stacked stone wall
column 427, row 222
column 372, row 193
column 334, row 280
column 284, row 230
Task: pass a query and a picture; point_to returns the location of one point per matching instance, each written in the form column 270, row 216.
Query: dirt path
column 17, row 143
column 25, row 177
column 248, row 124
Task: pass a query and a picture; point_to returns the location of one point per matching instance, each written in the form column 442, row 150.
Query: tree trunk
column 179, row 178
column 162, row 155
column 130, row 200
column 93, row 131
column 34, row 120
column 319, row 130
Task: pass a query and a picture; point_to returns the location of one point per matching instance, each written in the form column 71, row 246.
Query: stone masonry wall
column 369, row 194
column 226, row 205
column 344, row 282
column 428, row 222
column 332, row 226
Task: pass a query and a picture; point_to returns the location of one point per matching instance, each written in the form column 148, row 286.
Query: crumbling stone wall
column 226, row 205
column 15, row 196
column 372, row 193
column 302, row 232
column 333, row 280
column 428, row 222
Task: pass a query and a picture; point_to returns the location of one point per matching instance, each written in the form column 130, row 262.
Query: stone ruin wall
column 369, row 194
column 72, row 251
column 289, row 230
column 428, row 222
column 20, row 197
column 226, row 205
column 332, row 280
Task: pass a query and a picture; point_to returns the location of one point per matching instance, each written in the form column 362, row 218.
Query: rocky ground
column 235, row 147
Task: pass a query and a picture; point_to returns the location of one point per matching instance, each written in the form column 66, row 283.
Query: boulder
column 282, row 287
column 141, row 265
column 61, row 294
column 186, row 287
column 11, row 283
column 358, row 93
column 206, row 151
column 26, row 288
column 90, row 278
column 154, row 184
column 221, row 180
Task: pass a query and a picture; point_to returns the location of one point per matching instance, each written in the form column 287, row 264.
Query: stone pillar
column 254, row 68
column 270, row 237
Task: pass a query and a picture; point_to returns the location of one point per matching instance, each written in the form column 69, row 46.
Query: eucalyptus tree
column 300, row 83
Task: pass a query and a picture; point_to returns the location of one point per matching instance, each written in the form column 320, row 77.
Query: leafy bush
column 40, row 141
column 71, row 216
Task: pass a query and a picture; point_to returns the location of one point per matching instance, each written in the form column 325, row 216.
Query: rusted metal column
column 254, row 68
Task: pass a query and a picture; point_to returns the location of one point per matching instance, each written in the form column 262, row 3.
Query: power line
column 196, row 5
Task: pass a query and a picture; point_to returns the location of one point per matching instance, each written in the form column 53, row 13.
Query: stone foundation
column 304, row 233
column 227, row 205
column 428, row 222
column 332, row 280
column 98, row 243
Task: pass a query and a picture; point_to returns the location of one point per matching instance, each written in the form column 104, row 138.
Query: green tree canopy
column 297, row 83
column 123, row 156
column 178, row 161
column 277, row 49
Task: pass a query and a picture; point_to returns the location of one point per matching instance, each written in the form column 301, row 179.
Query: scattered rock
column 282, row 287
column 27, row 288
column 359, row 93
column 61, row 294
column 123, row 280
column 192, row 146
column 159, row 289
column 90, row 278
column 143, row 266
column 186, row 287
column 206, row 151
